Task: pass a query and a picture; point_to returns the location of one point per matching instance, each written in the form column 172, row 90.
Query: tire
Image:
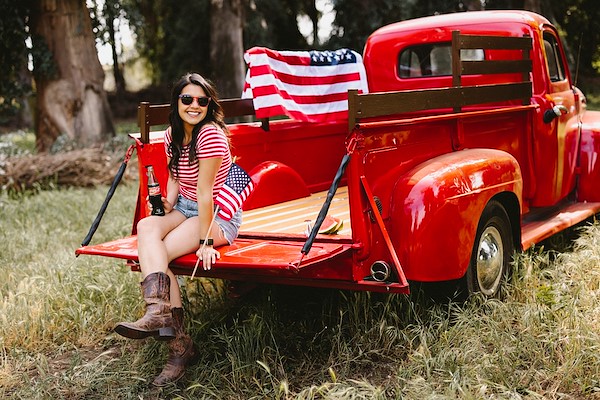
column 492, row 252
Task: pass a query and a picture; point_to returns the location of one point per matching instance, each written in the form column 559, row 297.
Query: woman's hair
column 214, row 115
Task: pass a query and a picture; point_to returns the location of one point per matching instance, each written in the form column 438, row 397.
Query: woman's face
column 191, row 114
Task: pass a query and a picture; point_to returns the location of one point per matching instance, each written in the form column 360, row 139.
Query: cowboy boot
column 182, row 353
column 158, row 320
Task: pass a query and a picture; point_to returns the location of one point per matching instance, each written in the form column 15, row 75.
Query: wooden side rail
column 158, row 114
column 462, row 67
column 371, row 105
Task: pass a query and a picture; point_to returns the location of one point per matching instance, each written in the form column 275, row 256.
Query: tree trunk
column 310, row 8
column 227, row 47
column 111, row 18
column 70, row 95
column 472, row 5
column 533, row 5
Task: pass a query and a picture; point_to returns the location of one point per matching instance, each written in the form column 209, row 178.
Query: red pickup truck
column 472, row 143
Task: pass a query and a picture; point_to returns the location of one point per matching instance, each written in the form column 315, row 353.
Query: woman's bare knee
column 148, row 225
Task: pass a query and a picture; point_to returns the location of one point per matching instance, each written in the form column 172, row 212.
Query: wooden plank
column 456, row 61
column 158, row 114
column 293, row 216
column 237, row 107
column 150, row 115
column 494, row 42
column 380, row 104
column 495, row 67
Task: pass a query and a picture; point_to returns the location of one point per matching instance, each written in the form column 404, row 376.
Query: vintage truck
column 472, row 143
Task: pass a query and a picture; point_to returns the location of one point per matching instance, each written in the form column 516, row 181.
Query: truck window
column 432, row 60
column 556, row 69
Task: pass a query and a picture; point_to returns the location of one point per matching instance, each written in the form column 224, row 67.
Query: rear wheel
column 492, row 252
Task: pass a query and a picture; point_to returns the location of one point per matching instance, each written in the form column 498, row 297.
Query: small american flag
column 236, row 189
column 307, row 86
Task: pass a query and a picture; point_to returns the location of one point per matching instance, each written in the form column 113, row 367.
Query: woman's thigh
column 183, row 239
column 159, row 226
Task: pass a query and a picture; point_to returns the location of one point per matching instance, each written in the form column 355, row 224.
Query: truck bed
column 292, row 217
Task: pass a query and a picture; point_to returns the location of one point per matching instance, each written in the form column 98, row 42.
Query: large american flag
column 304, row 85
column 236, row 189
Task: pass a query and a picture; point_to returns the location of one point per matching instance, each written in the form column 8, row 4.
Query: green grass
column 57, row 313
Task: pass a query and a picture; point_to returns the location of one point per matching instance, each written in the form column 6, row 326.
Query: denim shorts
column 229, row 228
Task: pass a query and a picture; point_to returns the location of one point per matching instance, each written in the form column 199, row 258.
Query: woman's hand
column 208, row 255
column 167, row 205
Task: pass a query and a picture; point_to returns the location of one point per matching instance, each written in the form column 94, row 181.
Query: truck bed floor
column 294, row 216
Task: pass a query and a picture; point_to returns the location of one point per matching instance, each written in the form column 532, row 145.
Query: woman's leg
column 182, row 351
column 156, row 285
column 151, row 232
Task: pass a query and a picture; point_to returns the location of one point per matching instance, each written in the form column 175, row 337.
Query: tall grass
column 57, row 312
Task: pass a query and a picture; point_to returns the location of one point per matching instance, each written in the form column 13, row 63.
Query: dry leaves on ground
column 77, row 168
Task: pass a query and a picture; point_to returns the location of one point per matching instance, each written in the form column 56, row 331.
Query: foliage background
column 171, row 38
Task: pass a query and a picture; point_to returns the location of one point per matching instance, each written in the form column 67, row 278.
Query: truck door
column 557, row 138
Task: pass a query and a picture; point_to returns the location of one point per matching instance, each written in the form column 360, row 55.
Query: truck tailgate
column 270, row 256
column 270, row 242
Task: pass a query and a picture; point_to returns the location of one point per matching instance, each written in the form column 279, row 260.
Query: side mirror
column 554, row 112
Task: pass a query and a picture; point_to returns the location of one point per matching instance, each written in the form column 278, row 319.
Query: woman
column 199, row 158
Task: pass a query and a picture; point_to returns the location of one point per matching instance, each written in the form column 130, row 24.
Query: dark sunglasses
column 187, row 100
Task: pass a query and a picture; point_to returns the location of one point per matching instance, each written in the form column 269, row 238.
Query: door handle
column 555, row 112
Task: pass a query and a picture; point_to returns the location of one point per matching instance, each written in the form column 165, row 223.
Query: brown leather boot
column 158, row 320
column 182, row 353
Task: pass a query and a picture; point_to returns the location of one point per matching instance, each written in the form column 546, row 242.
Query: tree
column 69, row 79
column 355, row 20
column 273, row 23
column 580, row 21
column 106, row 19
column 227, row 46
column 309, row 7
column 15, row 79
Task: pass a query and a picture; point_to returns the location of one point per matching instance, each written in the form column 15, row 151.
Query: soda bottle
column 154, row 193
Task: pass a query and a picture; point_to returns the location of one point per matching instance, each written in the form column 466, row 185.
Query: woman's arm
column 207, row 173
column 172, row 191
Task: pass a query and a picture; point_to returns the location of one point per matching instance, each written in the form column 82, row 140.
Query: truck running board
column 534, row 231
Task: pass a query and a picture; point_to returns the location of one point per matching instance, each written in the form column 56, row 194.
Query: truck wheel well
column 511, row 205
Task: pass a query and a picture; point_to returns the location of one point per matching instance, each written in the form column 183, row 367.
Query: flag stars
column 328, row 57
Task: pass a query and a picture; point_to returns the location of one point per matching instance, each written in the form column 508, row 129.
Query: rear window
column 432, row 60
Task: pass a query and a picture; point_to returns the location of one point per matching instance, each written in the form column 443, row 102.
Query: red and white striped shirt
column 212, row 142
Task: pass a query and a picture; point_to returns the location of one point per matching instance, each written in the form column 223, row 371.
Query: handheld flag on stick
column 236, row 189
column 234, row 192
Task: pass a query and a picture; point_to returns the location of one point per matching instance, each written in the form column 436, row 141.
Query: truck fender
column 274, row 183
column 589, row 158
column 435, row 209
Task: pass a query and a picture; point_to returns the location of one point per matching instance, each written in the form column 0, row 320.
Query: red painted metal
column 272, row 174
column 384, row 233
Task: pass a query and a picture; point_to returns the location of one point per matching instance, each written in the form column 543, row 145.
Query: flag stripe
column 307, row 86
column 290, row 57
column 264, row 71
column 300, row 98
column 275, row 100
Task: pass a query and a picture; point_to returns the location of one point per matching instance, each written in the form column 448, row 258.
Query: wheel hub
column 490, row 260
